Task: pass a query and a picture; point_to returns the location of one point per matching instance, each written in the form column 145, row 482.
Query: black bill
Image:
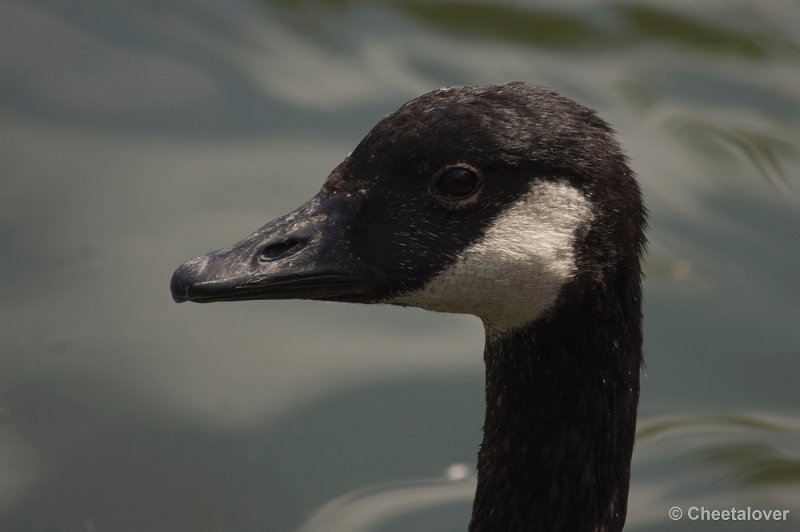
column 303, row 255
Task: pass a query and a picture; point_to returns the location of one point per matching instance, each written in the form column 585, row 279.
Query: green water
column 134, row 135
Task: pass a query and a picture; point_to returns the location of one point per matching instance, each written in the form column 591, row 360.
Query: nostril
column 280, row 250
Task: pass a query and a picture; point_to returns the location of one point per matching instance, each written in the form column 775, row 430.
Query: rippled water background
column 134, row 135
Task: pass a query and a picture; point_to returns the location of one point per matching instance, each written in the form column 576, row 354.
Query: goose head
column 479, row 200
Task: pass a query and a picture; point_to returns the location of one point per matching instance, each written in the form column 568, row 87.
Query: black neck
column 561, row 399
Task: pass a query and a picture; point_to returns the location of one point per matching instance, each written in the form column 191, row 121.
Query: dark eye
column 457, row 183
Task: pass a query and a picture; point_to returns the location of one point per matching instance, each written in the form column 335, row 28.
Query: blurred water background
column 137, row 134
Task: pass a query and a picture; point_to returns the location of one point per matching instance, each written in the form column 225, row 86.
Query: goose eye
column 457, row 183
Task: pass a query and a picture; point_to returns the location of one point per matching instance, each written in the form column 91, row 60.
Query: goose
column 512, row 203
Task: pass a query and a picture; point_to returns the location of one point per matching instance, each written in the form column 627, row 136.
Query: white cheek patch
column 513, row 274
